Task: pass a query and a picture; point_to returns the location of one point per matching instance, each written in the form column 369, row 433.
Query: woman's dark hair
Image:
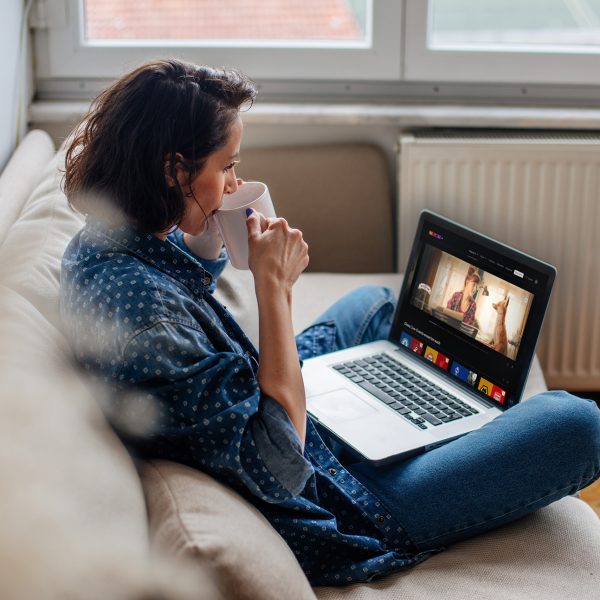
column 473, row 274
column 137, row 125
column 472, row 277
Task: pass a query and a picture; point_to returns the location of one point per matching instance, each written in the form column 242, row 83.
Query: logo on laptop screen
column 435, row 234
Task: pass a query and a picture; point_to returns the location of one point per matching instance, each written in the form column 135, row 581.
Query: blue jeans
column 531, row 455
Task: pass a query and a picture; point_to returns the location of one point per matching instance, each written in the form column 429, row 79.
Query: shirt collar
column 164, row 255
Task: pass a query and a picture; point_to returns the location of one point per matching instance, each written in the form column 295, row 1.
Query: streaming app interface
column 466, row 312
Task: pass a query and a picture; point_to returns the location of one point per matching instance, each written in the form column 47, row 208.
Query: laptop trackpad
column 341, row 405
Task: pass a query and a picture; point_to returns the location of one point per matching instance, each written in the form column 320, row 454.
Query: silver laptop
column 458, row 355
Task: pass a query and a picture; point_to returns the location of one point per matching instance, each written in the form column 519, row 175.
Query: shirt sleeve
column 213, row 267
column 279, row 446
column 209, row 412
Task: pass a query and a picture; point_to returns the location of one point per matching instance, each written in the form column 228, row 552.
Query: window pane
column 533, row 23
column 297, row 20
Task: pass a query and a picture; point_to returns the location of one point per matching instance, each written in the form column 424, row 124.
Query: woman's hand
column 277, row 253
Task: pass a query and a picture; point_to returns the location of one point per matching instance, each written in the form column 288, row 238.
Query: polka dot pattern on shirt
column 141, row 317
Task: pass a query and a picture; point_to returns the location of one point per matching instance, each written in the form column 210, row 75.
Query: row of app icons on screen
column 455, row 368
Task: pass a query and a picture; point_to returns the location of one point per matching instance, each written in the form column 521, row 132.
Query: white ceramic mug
column 231, row 218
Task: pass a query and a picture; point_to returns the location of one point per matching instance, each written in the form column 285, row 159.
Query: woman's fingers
column 253, row 223
column 260, row 219
column 273, row 223
column 276, row 248
column 264, row 222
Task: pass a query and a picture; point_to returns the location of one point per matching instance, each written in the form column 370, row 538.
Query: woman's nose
column 231, row 185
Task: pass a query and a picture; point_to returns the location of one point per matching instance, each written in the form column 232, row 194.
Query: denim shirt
column 141, row 317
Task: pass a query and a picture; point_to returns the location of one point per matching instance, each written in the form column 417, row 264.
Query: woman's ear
column 170, row 168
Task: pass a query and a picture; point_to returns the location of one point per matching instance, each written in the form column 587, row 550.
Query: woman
column 149, row 165
column 465, row 301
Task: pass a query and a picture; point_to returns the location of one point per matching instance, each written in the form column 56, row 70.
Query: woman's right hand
column 277, row 253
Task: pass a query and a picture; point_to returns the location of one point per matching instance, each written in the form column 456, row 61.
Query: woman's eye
column 229, row 167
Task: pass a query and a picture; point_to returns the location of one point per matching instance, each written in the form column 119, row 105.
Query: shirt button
column 206, row 280
column 332, row 471
column 380, row 518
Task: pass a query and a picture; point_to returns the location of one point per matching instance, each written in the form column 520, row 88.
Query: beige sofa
column 80, row 520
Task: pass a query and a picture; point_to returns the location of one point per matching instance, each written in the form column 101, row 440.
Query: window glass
column 230, row 20
column 536, row 24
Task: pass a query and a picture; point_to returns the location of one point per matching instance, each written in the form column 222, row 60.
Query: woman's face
column 470, row 286
column 216, row 178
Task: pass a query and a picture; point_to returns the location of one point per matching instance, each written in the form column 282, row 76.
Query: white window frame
column 491, row 65
column 62, row 53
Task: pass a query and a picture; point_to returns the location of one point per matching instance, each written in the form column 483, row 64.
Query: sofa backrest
column 33, row 247
column 21, row 175
column 338, row 195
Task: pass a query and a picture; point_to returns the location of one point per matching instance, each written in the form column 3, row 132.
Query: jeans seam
column 367, row 320
column 427, row 540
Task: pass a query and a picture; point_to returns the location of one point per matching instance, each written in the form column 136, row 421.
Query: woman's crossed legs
column 533, row 454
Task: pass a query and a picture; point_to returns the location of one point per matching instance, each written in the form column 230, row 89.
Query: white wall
column 11, row 12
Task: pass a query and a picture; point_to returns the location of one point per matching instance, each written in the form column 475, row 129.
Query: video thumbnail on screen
column 480, row 305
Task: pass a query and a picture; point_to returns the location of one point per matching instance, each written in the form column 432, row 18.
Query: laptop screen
column 472, row 308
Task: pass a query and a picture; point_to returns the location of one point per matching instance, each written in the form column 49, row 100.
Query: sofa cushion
column 553, row 553
column 312, row 294
column 193, row 515
column 21, row 175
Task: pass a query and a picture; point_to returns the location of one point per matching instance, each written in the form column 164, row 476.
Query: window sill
column 401, row 115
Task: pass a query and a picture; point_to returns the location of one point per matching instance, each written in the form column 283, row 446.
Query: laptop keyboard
column 417, row 400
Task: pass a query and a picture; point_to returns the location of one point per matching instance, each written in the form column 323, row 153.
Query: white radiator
column 537, row 192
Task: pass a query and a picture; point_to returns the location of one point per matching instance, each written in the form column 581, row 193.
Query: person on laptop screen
column 148, row 166
column 465, row 301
